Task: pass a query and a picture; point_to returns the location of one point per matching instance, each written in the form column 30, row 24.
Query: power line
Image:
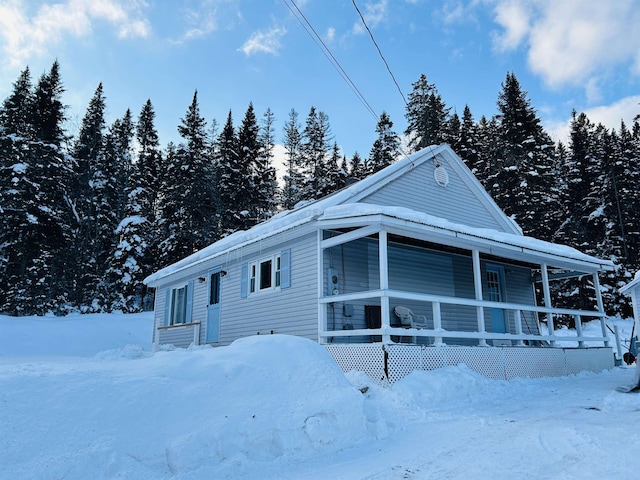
column 379, row 51
column 327, row 53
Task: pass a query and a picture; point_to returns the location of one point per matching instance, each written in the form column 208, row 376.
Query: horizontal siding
column 291, row 311
column 419, row 191
column 178, row 336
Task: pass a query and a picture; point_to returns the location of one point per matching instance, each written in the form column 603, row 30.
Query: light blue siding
column 456, row 202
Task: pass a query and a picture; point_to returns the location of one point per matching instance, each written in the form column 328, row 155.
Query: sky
column 567, row 54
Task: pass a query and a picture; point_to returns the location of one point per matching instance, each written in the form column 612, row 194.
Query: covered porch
column 464, row 286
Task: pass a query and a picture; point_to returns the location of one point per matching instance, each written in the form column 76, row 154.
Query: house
column 412, row 267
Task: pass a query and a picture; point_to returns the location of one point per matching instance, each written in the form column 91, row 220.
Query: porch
column 469, row 287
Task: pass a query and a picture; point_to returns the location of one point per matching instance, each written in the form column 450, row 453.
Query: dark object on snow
column 628, row 358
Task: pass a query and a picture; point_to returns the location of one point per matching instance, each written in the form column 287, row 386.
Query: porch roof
column 423, row 226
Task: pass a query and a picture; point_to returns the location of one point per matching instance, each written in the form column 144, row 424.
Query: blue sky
column 567, row 54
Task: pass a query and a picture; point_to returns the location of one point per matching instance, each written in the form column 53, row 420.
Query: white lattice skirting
column 390, row 363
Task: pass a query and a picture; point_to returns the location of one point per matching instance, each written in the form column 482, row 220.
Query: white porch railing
column 438, row 333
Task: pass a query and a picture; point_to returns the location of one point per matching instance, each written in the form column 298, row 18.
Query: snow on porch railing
column 438, row 332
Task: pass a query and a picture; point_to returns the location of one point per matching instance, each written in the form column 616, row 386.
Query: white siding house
column 421, row 235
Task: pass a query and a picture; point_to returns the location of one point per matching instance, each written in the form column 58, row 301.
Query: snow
column 84, row 396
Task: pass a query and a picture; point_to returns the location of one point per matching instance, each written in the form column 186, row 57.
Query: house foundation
column 387, row 364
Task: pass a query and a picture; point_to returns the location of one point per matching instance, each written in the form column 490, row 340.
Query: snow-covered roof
column 343, row 204
column 626, row 289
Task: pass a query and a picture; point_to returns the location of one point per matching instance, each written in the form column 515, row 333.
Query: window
column 268, row 274
column 178, row 306
column 263, row 276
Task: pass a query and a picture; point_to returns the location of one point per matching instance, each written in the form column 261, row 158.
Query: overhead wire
column 379, row 51
column 306, row 24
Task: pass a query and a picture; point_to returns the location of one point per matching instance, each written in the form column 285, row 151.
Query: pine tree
column 266, row 184
column 292, row 191
column 315, row 147
column 187, row 202
column 356, row 169
column 335, row 181
column 386, row 148
column 427, row 116
column 245, row 181
column 468, row 145
column 230, row 180
column 524, row 163
column 16, row 191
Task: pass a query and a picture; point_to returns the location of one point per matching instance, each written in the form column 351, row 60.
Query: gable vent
column 441, row 175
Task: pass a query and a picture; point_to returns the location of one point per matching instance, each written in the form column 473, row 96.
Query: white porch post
column 578, row 321
column 603, row 321
column 518, row 323
column 384, row 283
column 477, row 282
column 322, row 307
column 547, row 301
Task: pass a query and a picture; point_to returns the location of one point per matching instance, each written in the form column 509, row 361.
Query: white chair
column 410, row 319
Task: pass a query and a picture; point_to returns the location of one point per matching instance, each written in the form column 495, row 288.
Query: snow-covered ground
column 83, row 397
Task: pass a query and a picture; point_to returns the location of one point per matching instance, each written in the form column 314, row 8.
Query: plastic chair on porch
column 410, row 319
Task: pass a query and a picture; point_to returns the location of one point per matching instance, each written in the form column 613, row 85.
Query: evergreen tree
column 245, row 179
column 292, row 191
column 315, row 150
column 187, row 201
column 266, row 184
column 427, row 116
column 356, row 170
column 524, row 173
column 468, row 145
column 16, row 193
column 386, row 148
column 335, row 180
column 230, row 173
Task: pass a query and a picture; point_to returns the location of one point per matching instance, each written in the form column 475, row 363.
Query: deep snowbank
column 274, row 407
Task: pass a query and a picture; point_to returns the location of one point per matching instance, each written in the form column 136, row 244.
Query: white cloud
column 23, row 35
column 331, row 34
column 264, row 42
column 514, row 17
column 374, row 13
column 572, row 42
column 609, row 115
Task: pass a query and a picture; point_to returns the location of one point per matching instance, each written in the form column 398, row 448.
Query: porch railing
column 438, row 332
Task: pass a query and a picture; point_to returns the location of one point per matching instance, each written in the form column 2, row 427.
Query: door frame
column 213, row 309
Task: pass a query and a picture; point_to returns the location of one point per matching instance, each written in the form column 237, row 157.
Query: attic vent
column 441, row 175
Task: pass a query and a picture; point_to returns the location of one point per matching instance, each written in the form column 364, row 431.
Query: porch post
column 547, row 301
column 322, row 307
column 518, row 323
column 384, row 283
column 578, row 321
column 477, row 282
column 603, row 322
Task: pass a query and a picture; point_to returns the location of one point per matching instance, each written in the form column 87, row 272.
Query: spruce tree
column 386, row 148
column 187, row 201
column 292, row 191
column 427, row 116
column 17, row 189
column 524, row 173
column 229, row 173
column 266, row 183
column 315, row 147
column 245, row 179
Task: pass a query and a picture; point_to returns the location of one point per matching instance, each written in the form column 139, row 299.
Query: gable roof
column 329, row 206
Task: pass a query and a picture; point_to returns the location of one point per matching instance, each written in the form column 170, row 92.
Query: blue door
column 213, row 306
column 495, row 293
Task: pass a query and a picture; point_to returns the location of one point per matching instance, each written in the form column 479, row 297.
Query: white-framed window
column 178, row 308
column 264, row 275
column 271, row 273
column 178, row 304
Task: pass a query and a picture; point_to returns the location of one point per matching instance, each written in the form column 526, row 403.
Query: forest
column 86, row 217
